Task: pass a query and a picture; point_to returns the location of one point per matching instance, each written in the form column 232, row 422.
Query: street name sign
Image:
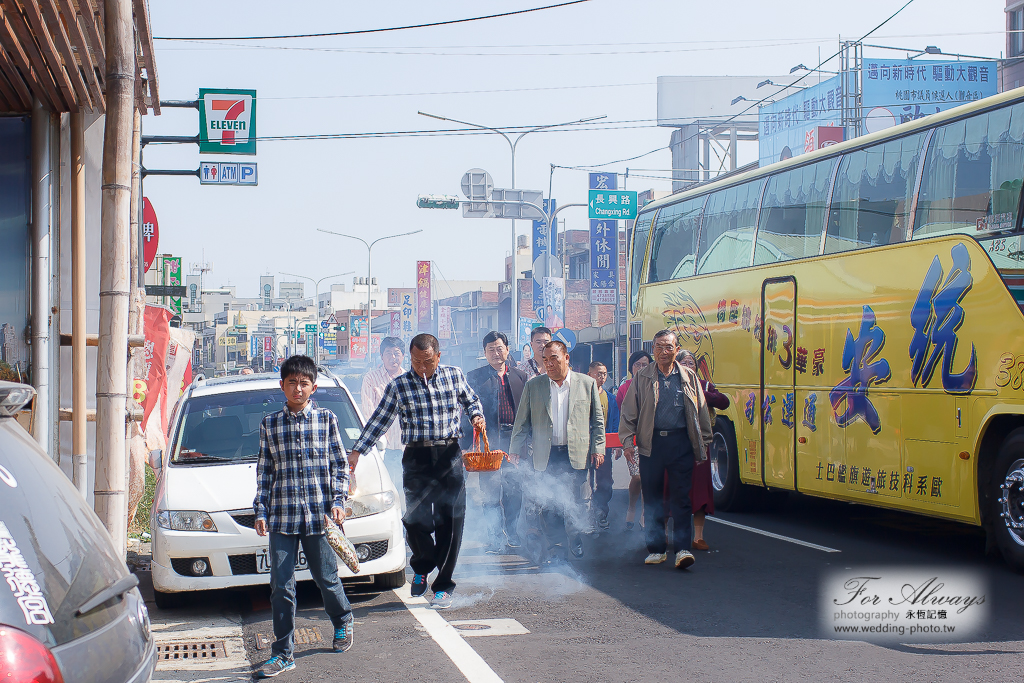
column 227, row 121
column 616, row 204
column 228, row 173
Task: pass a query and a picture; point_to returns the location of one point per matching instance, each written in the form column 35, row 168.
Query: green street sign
column 612, row 205
column 311, row 329
column 438, row 201
column 227, row 121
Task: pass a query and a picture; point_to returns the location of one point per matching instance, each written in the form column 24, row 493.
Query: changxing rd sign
column 617, row 204
column 227, row 121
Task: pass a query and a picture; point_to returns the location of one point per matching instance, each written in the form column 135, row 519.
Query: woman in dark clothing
column 637, row 362
column 702, row 493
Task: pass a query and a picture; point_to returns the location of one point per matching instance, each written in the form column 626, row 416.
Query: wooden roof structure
column 53, row 50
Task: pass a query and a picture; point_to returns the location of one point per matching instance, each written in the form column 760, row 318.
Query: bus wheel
column 725, row 472
column 1008, row 500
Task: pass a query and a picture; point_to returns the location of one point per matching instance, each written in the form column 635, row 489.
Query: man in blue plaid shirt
column 302, row 474
column 429, row 400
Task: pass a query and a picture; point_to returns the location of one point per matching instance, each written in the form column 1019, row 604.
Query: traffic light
column 437, row 201
column 340, row 327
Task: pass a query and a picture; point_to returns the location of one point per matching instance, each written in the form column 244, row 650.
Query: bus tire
column 1007, row 499
column 725, row 468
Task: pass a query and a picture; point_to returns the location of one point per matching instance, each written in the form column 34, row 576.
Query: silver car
column 69, row 608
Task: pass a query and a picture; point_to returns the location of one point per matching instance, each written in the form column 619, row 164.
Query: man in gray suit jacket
column 561, row 411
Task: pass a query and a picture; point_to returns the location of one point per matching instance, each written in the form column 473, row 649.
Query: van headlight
column 185, row 520
column 372, row 504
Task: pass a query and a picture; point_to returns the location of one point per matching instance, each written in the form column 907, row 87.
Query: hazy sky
column 597, row 58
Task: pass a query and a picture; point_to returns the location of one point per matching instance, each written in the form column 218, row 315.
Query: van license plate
column 263, row 561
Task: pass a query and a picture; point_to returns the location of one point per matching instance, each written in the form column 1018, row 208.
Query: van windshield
column 226, row 427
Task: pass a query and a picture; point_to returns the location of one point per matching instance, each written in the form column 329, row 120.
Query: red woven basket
column 484, row 460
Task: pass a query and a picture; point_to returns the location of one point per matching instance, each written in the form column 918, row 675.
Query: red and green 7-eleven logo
column 227, row 121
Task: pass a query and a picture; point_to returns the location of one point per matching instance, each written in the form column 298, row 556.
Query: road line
column 471, row 664
column 807, row 544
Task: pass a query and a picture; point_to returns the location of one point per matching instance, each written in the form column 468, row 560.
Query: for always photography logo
column 908, row 604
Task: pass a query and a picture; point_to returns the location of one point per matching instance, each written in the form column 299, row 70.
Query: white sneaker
column 656, row 558
column 684, row 558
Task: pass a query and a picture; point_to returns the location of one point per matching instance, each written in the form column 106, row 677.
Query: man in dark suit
column 499, row 385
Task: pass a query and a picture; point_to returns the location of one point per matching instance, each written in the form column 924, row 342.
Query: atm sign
column 227, row 121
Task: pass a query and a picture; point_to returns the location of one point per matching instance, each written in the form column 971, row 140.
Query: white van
column 202, row 518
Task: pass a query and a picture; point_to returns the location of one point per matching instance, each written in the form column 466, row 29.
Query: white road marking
column 475, row 628
column 471, row 664
column 806, row 544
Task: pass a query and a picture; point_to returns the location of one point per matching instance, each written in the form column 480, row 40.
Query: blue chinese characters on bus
column 936, row 317
column 810, row 412
column 789, row 409
column 849, row 398
column 751, row 407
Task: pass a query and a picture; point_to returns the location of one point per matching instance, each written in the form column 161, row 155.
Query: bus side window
column 793, row 213
column 636, row 257
column 972, row 175
column 727, row 231
column 872, row 195
column 675, row 240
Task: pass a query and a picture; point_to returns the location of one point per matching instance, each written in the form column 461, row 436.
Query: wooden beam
column 11, row 100
column 14, row 77
column 146, row 38
column 48, row 51
column 19, row 60
column 23, row 35
column 63, row 43
column 140, row 86
column 84, row 53
column 98, row 46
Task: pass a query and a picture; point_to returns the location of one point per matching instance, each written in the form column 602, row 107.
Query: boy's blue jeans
column 323, row 565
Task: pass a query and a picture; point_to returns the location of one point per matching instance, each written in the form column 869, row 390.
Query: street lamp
column 369, row 251
column 514, row 311
column 316, row 295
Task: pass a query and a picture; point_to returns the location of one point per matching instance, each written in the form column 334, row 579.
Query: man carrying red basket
column 428, row 400
column 561, row 411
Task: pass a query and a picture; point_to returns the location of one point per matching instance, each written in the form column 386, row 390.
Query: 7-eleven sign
column 227, row 121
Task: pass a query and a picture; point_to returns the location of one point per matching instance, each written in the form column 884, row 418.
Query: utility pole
column 111, row 369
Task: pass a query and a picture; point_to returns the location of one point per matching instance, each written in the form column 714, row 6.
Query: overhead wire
column 375, row 30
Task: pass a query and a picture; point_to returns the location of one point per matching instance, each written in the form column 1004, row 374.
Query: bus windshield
column 226, row 427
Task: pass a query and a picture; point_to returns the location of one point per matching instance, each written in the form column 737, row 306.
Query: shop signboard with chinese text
column 150, row 234
column 172, row 276
column 604, row 247
column 544, row 252
column 407, row 312
column 358, row 337
column 423, row 305
column 444, row 322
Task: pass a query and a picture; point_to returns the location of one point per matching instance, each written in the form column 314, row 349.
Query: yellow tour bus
column 861, row 307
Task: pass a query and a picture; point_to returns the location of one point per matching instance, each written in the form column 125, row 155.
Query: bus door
column 778, row 382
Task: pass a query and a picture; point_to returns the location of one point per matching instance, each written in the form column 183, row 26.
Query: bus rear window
column 972, row 177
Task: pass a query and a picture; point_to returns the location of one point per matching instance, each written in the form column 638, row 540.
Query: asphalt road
column 748, row 610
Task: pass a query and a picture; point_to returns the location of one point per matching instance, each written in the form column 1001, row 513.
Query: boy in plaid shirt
column 302, row 474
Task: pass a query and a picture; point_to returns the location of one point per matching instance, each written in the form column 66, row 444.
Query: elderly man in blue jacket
column 603, row 491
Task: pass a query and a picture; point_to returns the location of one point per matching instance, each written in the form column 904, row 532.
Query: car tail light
column 23, row 659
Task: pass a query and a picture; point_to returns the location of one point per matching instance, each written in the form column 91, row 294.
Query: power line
column 457, row 92
column 376, row 30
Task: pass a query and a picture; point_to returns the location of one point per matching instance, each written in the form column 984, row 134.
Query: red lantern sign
column 150, row 234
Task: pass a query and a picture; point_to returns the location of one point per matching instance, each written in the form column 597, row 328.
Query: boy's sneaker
column 684, row 559
column 419, row 585
column 274, row 666
column 655, row 558
column 442, row 600
column 344, row 637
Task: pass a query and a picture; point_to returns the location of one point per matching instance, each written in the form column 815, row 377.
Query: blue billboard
column 899, row 90
column 789, row 126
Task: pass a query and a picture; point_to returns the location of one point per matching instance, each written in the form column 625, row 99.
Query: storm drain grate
column 308, row 636
column 193, row 650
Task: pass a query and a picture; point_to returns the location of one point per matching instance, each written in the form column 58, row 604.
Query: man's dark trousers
column 503, row 491
column 323, row 565
column 435, row 503
column 672, row 456
column 603, row 488
column 559, row 514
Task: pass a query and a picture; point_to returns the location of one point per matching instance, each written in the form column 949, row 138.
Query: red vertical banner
column 423, row 296
column 396, row 324
column 157, row 327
